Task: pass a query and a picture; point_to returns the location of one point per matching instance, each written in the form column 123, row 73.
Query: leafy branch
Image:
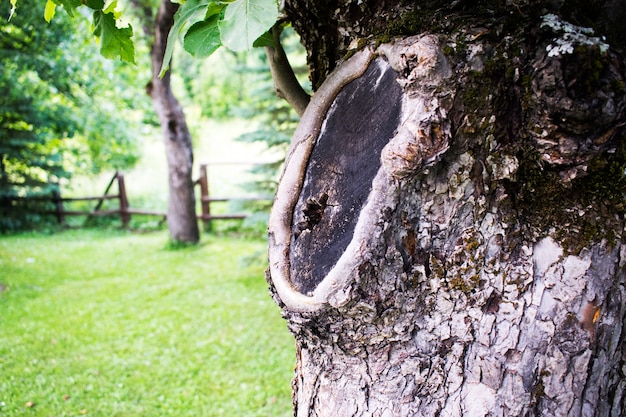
column 204, row 25
column 115, row 41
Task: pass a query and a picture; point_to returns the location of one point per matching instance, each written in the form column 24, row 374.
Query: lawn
column 110, row 323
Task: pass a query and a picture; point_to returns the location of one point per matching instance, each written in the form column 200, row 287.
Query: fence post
column 58, row 203
column 124, row 214
column 204, row 198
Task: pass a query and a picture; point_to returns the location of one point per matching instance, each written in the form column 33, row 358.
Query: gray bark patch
column 343, row 163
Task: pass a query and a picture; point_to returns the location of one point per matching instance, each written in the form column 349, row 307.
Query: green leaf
column 214, row 8
column 265, row 39
column 69, row 5
column 114, row 41
column 245, row 21
column 111, row 9
column 49, row 10
column 203, row 38
column 191, row 12
column 95, row 4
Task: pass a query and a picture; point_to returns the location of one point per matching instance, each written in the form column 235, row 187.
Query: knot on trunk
column 384, row 125
column 420, row 141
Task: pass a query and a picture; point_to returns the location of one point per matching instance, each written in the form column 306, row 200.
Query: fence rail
column 125, row 211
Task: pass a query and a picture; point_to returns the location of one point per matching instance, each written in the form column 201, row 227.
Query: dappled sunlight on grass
column 115, row 324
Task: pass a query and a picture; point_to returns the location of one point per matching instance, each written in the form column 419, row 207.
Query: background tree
column 447, row 236
column 181, row 209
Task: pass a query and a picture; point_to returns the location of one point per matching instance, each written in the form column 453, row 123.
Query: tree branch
column 285, row 82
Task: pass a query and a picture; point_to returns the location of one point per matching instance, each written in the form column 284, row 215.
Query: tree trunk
column 448, row 234
column 181, row 211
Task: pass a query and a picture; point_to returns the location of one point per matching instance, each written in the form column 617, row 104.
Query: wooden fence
column 125, row 211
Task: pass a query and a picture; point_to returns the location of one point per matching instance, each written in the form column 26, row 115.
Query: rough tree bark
column 181, row 210
column 448, row 234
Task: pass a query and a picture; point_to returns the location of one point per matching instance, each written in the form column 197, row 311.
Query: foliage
column 34, row 115
column 115, row 39
column 205, row 25
column 216, row 85
column 93, row 323
column 59, row 110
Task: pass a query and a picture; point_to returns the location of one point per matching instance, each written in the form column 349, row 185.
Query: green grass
column 103, row 323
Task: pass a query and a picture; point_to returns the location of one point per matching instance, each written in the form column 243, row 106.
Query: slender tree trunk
column 181, row 212
column 448, row 234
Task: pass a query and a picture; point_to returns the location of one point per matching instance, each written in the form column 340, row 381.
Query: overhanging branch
column 285, row 82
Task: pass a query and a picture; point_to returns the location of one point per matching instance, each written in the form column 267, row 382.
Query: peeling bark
column 472, row 262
